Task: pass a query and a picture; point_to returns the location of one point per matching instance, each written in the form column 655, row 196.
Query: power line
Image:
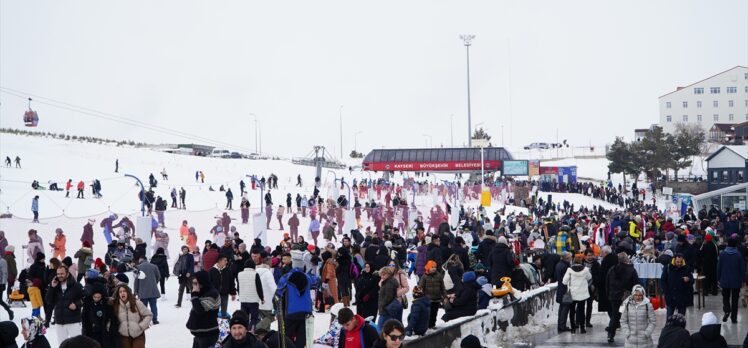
column 115, row 118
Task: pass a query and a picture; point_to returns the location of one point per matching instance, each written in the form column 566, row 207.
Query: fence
column 501, row 324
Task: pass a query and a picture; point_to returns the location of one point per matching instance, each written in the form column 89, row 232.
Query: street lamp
column 341, row 132
column 451, row 131
column 256, row 131
column 430, row 142
column 467, row 41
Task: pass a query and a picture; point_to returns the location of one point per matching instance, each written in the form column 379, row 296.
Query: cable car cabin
column 31, row 118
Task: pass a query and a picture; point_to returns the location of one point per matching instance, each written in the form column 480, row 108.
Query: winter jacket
column 674, row 337
column 4, row 272
column 268, row 287
column 434, row 253
column 638, row 323
column 99, row 323
column 465, row 303
column 620, row 279
column 250, row 286
column 10, row 260
column 387, row 293
column 147, row 287
column 39, row 342
column 132, row 324
column 709, row 337
column 561, row 268
column 188, row 266
column 576, row 279
column 418, row 319
column 249, row 341
column 500, row 263
column 421, row 260
column 433, row 286
column 159, row 260
column 223, row 280
column 62, row 300
column 677, row 292
column 204, row 313
column 35, row 296
column 82, row 255
column 731, row 269
column 367, row 289
column 293, row 289
column 363, row 335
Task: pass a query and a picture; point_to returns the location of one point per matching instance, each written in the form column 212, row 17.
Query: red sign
column 548, row 170
column 431, row 166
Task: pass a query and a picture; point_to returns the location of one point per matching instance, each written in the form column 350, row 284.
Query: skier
column 164, row 176
column 18, row 162
column 182, row 196
column 229, row 199
column 298, row 180
column 116, row 165
column 35, row 208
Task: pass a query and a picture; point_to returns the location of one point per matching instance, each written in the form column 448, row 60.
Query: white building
column 722, row 98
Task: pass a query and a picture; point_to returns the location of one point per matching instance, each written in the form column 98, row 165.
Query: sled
column 505, row 288
column 15, row 300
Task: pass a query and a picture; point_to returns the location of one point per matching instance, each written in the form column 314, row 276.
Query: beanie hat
column 482, row 280
column 502, row 240
column 417, row 291
column 310, row 247
column 479, row 266
column 10, row 249
column 122, row 278
column 430, row 264
column 239, row 318
column 468, row 277
column 86, row 244
column 92, row 273
column 470, row 341
column 708, row 319
column 677, row 319
column 98, row 263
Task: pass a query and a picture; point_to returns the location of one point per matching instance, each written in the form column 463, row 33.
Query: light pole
column 355, row 140
column 341, row 132
column 451, row 130
column 467, row 41
column 430, row 142
column 256, row 131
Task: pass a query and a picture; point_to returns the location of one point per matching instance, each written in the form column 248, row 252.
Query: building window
column 715, row 176
column 732, row 90
column 698, row 104
column 715, row 104
column 714, row 90
column 746, row 77
column 725, row 176
column 685, row 118
column 731, row 117
column 739, row 176
column 699, row 118
column 746, row 89
column 667, row 105
column 730, row 103
column 685, row 105
column 698, row 90
column 669, row 118
column 716, row 117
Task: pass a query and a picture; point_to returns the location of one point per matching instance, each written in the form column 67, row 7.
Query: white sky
column 591, row 69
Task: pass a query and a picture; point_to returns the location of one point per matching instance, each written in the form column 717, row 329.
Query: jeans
column 253, row 310
column 615, row 318
column 579, row 313
column 565, row 311
column 588, row 308
column 184, row 285
column 671, row 310
column 383, row 317
column 224, row 304
column 151, row 302
column 432, row 314
column 207, row 341
column 730, row 302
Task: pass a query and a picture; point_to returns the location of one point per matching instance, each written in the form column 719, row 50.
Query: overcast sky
column 591, row 69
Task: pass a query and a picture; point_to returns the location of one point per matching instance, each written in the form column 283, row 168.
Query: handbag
column 567, row 298
column 404, row 300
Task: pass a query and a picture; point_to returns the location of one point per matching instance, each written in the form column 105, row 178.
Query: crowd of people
column 367, row 275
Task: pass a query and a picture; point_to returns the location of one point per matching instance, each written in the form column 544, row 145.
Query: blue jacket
column 34, row 205
column 293, row 289
column 418, row 319
column 730, row 269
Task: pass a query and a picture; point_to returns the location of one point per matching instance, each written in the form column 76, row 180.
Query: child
column 35, row 295
column 418, row 320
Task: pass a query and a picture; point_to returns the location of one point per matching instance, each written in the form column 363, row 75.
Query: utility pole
column 467, row 41
column 451, row 130
column 341, row 132
column 256, row 132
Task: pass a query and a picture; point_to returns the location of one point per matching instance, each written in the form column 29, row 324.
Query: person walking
column 677, row 285
column 229, row 199
column 133, row 317
column 184, row 268
column 222, row 278
column 619, row 279
column 159, row 259
column 731, row 274
column 35, row 208
column 203, row 319
column 279, row 215
column 250, row 292
column 577, row 280
column 64, row 296
column 146, row 285
column 296, row 304
column 638, row 319
column 565, row 302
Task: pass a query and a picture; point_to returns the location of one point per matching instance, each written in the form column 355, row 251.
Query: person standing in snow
column 279, row 214
column 81, row 186
column 229, row 199
column 35, row 208
column 58, row 247
column 174, row 197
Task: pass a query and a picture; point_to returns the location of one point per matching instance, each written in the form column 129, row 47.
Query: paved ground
column 597, row 337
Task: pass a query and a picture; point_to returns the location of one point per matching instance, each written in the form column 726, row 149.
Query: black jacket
column 465, row 303
column 484, row 249
column 62, row 300
column 561, row 268
column 709, row 337
column 677, row 292
column 250, row 341
column 434, row 252
column 621, row 278
column 501, row 263
column 99, row 323
column 674, row 337
column 223, row 280
column 271, row 339
column 603, row 303
column 159, row 260
column 204, row 313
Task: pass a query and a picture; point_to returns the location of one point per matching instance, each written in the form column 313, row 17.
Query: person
column 708, row 255
column 229, row 199
column 677, row 285
column 638, row 319
column 500, row 261
column 79, row 341
column 367, row 289
column 577, row 279
column 709, row 335
column 80, row 187
column 183, row 270
column 33, row 289
column 731, row 275
column 8, row 334
column 240, row 336
column 203, row 319
column 674, row 334
column 65, row 295
column 392, row 335
column 250, row 292
column 279, row 215
column 390, row 306
column 296, row 304
column 146, row 285
column 590, row 262
column 33, row 330
column 564, row 309
column 133, row 316
column 268, row 287
column 465, row 303
column 85, row 259
column 355, row 332
column 433, row 286
column 4, row 277
column 419, row 313
column 619, row 279
column 35, row 208
column 10, row 259
column 159, row 260
column 58, row 246
column 293, row 227
column 97, row 317
column 222, row 278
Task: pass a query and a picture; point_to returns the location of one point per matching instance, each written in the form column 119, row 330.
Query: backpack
column 179, row 265
column 354, row 270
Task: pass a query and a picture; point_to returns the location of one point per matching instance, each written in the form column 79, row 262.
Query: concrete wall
column 694, row 188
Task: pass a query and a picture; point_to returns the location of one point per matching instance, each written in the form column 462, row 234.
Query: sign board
column 667, row 191
column 485, row 198
column 143, row 231
column 534, row 167
column 259, row 224
column 515, row 168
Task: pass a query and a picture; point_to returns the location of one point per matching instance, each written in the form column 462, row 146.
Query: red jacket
column 352, row 339
column 209, row 259
column 81, row 185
